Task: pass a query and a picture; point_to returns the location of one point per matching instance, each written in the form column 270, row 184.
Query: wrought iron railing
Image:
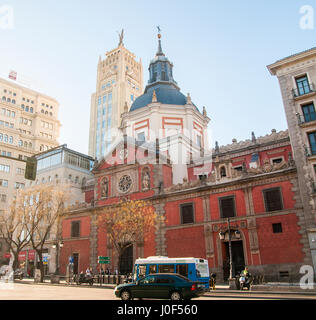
column 306, row 89
column 306, row 117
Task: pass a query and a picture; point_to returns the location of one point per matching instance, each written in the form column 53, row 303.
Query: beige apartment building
column 28, row 125
column 119, row 83
column 297, row 79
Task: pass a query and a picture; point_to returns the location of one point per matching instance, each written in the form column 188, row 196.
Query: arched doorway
column 126, row 261
column 238, row 257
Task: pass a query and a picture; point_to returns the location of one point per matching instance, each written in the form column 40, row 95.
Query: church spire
column 159, row 52
column 160, row 68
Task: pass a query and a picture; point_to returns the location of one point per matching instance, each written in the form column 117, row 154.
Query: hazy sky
column 220, row 50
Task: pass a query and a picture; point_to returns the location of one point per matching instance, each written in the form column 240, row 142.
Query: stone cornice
column 243, row 182
column 307, row 54
column 206, row 190
column 250, row 146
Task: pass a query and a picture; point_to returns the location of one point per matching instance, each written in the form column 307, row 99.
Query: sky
column 219, row 48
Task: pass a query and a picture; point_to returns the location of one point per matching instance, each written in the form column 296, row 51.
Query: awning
column 22, row 256
column 31, row 255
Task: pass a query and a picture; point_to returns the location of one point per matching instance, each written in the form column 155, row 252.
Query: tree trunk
column 41, row 266
column 119, row 261
column 15, row 264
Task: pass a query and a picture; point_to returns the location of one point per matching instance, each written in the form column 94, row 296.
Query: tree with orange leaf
column 127, row 223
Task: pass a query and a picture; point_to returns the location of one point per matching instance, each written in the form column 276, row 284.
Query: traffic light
column 30, row 168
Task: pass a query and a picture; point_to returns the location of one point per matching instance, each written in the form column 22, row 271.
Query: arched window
column 11, row 140
column 25, row 144
column 27, row 108
column 31, row 109
column 1, row 136
column 8, row 100
column 223, row 172
column 41, row 147
column 20, row 143
column 77, row 179
column 22, row 106
column 42, row 111
column 30, row 145
column 5, row 138
column 4, row 98
column 13, row 101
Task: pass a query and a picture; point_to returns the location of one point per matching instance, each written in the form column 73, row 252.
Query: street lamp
column 57, row 245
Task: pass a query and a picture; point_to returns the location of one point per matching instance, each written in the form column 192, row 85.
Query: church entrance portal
column 237, row 258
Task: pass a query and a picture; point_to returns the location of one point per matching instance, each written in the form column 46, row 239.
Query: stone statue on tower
column 121, row 37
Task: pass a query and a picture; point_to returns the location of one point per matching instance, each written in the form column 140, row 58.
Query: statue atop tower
column 121, row 37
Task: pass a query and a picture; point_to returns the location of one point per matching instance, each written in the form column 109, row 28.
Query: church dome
column 165, row 93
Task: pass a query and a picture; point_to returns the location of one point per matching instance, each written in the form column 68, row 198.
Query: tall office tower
column 119, row 82
column 28, row 125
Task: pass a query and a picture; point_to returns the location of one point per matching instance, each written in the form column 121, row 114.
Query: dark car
column 161, row 286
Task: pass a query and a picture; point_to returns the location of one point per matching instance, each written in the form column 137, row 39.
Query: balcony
column 306, row 118
column 307, row 89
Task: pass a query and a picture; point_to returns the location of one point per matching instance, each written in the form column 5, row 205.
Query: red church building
column 251, row 184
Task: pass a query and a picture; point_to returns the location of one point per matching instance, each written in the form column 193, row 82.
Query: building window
column 199, row 141
column 141, row 137
column 312, row 142
column 309, row 112
column 302, row 84
column 238, row 168
column 202, row 177
column 75, row 229
column 277, row 160
column 187, row 213
column 223, row 172
column 227, row 207
column 277, row 227
column 273, row 199
column 3, row 183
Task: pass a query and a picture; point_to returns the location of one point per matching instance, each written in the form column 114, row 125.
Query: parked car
column 161, row 286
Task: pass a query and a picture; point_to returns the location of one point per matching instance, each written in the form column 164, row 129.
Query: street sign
column 71, row 259
column 30, row 168
column 103, row 260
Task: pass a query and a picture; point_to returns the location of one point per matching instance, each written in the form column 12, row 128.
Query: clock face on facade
column 125, row 183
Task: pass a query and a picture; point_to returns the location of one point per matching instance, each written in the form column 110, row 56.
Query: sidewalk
column 268, row 288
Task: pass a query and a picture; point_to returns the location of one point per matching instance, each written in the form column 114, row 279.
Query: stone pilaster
column 208, row 237
column 249, row 201
column 161, row 247
column 206, row 208
column 94, row 241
